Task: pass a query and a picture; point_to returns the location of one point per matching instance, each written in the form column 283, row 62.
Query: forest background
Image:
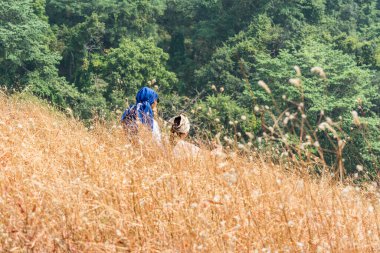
column 206, row 58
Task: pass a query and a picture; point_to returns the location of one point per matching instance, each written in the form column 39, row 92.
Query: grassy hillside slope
column 66, row 189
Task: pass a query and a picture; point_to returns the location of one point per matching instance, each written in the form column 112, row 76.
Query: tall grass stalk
column 64, row 188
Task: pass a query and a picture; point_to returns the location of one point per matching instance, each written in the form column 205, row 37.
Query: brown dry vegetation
column 66, row 189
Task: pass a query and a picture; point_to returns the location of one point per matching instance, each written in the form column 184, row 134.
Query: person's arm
column 156, row 131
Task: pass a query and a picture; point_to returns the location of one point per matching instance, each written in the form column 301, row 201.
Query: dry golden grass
column 66, row 189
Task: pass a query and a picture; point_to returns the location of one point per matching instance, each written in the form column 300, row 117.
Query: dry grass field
column 64, row 188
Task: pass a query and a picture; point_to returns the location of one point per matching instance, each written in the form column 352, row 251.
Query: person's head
column 180, row 126
column 146, row 94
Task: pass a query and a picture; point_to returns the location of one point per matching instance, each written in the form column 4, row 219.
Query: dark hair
column 177, row 121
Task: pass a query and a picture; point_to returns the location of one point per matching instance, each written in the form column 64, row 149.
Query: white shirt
column 184, row 149
column 156, row 131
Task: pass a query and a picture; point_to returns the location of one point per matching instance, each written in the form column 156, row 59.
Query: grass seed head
column 319, row 71
column 355, row 117
column 298, row 71
column 296, row 82
column 263, row 85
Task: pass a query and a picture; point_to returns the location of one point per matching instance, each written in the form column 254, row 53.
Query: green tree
column 220, row 114
column 125, row 18
column 132, row 65
column 78, row 44
column 248, row 58
column 24, row 45
column 27, row 62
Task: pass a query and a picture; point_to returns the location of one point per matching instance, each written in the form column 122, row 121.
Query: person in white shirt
column 179, row 131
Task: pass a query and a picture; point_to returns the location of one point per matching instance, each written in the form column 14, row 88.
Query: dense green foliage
column 206, row 57
column 27, row 61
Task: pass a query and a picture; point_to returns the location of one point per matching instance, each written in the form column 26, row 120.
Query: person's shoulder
column 186, row 148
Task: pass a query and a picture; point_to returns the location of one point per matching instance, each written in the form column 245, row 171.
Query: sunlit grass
column 64, row 188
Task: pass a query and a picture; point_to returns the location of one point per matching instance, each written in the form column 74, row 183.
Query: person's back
column 142, row 113
column 184, row 149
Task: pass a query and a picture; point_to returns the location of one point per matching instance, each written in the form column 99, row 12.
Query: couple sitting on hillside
column 143, row 113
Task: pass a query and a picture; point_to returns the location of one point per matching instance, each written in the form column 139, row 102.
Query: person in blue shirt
column 143, row 112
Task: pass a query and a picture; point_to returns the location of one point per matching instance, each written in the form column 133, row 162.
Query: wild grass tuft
column 64, row 188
